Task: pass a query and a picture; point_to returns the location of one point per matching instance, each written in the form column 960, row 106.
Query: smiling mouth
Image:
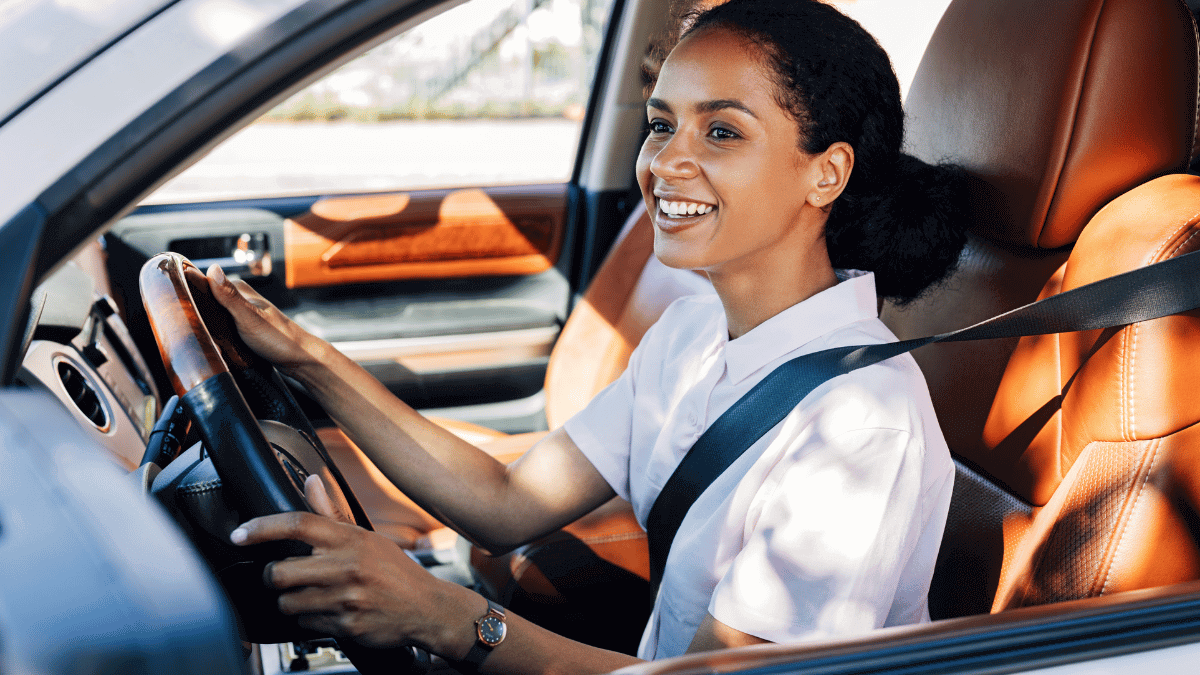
column 683, row 209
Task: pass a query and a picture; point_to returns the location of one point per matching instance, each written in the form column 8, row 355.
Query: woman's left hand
column 356, row 584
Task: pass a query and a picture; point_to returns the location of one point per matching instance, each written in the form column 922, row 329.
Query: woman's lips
column 674, row 215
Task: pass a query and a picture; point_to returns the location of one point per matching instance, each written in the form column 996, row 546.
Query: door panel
column 426, row 235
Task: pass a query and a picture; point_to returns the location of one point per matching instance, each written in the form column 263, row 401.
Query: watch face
column 491, row 630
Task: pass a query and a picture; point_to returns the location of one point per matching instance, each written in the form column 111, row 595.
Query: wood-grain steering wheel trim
column 173, row 293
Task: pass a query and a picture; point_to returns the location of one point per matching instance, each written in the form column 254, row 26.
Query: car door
column 413, row 206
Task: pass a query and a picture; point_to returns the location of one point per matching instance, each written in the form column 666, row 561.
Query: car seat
column 1071, row 450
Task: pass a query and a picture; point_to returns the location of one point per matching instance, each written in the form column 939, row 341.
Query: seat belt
column 1151, row 292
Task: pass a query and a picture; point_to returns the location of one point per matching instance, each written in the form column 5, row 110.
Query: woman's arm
column 713, row 634
column 357, row 584
column 493, row 505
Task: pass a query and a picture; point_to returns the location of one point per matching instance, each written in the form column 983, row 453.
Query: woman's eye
column 723, row 134
column 659, row 127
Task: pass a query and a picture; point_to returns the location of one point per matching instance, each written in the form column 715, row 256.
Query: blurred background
column 491, row 92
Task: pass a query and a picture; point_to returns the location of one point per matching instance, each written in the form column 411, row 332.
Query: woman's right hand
column 266, row 330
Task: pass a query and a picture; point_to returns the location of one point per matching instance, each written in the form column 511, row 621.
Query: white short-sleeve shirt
column 829, row 524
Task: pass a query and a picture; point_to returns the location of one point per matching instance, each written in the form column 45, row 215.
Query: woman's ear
column 832, row 169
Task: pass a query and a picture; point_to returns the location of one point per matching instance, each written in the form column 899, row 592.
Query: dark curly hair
column 898, row 216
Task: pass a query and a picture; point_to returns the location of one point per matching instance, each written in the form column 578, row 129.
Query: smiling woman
column 756, row 158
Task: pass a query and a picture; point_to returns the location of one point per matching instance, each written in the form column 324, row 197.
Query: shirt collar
column 849, row 301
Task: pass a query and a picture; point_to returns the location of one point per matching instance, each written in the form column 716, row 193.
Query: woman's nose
column 675, row 159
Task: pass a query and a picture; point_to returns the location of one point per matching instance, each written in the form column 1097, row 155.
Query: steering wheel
column 260, row 449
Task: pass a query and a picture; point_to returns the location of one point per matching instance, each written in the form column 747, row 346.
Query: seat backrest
column 628, row 294
column 1052, row 119
column 1100, row 428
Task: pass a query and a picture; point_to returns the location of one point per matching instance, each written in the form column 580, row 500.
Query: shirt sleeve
column 837, row 524
column 603, row 430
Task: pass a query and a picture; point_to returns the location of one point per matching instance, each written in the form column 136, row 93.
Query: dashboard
column 77, row 347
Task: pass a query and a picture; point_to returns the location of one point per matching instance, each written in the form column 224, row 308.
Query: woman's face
column 721, row 172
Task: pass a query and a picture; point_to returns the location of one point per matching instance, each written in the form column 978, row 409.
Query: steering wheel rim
column 211, row 368
column 204, row 356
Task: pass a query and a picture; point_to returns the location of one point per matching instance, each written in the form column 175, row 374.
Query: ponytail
column 908, row 232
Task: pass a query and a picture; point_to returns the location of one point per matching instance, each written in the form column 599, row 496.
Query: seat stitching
column 1121, row 379
column 1125, row 521
column 1185, row 241
column 1129, row 374
column 1131, row 399
column 1188, row 223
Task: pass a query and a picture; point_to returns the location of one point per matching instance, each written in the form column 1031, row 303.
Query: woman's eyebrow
column 723, row 103
column 704, row 106
column 658, row 104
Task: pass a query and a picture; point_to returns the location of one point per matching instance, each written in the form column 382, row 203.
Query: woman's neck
column 759, row 289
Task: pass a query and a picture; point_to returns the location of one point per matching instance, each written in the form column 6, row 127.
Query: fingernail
column 218, row 274
column 239, row 535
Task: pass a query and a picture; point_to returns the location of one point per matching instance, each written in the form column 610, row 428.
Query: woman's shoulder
column 687, row 326
column 688, row 318
column 891, row 394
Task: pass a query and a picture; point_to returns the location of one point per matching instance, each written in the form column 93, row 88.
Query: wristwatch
column 490, row 630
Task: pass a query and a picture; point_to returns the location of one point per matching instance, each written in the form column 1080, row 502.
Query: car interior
column 1075, row 453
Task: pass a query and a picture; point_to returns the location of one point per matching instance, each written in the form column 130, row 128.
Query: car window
column 491, row 92
column 902, row 28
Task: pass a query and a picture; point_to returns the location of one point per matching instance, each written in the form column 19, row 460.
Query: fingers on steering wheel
column 299, row 572
column 238, row 291
column 318, row 498
column 224, row 288
column 309, row 528
column 327, row 623
column 315, row 600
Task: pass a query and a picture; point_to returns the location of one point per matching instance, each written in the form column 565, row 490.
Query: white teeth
column 680, row 209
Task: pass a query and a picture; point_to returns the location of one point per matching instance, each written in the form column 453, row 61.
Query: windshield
column 43, row 40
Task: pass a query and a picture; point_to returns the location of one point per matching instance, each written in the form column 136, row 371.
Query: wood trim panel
column 426, row 235
column 188, row 350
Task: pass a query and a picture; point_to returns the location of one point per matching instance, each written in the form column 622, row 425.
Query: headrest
column 1055, row 108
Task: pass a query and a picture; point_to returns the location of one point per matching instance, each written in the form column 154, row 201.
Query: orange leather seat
column 1069, row 462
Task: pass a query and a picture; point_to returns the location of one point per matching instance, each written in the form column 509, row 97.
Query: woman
column 772, row 159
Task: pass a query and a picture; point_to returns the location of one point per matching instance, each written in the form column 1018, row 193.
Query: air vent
column 82, row 394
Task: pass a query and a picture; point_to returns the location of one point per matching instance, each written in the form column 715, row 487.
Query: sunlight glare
column 224, row 22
